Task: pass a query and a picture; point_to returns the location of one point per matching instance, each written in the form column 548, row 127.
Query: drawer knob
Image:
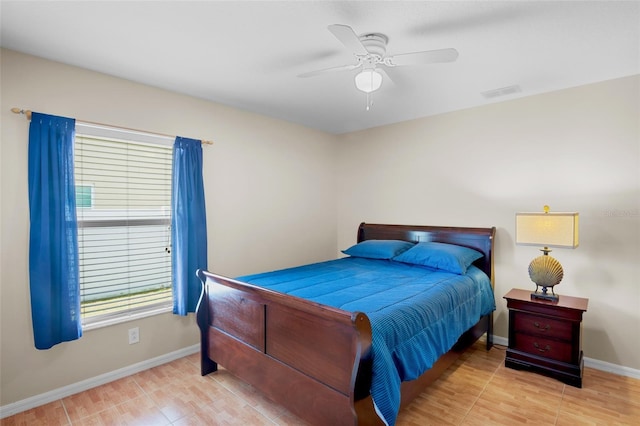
column 545, row 349
column 537, row 325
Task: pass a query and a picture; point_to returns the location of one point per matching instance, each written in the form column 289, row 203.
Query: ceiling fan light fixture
column 368, row 80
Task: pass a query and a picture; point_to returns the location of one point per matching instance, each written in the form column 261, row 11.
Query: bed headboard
column 480, row 239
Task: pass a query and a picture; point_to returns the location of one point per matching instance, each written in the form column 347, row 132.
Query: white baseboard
column 502, row 341
column 63, row 392
column 590, row 362
column 612, row 368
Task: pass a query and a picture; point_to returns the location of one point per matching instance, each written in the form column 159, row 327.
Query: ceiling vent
column 503, row 91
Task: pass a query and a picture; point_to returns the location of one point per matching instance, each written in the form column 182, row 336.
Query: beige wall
column 270, row 191
column 279, row 195
column 575, row 150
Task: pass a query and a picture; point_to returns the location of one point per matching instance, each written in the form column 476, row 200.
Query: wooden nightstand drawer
column 548, row 348
column 542, row 326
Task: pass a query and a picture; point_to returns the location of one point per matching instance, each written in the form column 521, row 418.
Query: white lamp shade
column 547, row 229
column 368, row 80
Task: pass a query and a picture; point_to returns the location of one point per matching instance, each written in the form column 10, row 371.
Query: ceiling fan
column 369, row 51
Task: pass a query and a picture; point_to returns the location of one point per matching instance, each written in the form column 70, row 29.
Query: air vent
column 503, row 91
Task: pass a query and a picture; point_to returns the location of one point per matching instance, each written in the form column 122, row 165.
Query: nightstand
column 546, row 336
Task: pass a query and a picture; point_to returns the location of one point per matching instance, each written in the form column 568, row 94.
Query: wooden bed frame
column 313, row 359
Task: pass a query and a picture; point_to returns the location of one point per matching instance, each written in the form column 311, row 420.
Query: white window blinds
column 124, row 217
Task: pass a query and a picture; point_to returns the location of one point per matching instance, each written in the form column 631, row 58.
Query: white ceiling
column 248, row 54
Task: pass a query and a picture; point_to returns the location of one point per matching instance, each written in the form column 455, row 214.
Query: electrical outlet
column 134, row 335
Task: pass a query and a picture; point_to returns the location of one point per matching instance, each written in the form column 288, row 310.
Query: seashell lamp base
column 545, row 272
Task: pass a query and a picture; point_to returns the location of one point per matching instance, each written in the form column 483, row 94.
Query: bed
column 315, row 355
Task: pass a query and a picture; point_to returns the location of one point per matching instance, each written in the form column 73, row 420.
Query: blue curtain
column 188, row 224
column 53, row 235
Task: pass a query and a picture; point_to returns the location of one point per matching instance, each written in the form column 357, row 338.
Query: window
column 123, row 194
column 84, row 196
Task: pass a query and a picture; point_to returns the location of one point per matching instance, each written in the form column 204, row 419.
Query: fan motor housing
column 375, row 43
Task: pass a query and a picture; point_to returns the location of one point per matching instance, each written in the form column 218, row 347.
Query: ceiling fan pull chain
column 370, row 93
column 369, row 100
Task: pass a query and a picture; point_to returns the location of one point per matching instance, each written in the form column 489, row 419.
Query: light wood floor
column 476, row 390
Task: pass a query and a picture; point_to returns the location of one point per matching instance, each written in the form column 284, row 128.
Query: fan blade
column 349, row 38
column 426, row 57
column 330, row 70
column 385, row 75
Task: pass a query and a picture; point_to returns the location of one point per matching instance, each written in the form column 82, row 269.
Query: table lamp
column 549, row 230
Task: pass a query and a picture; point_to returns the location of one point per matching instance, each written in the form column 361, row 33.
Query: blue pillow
column 448, row 257
column 378, row 249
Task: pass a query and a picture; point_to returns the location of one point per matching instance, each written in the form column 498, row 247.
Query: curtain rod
column 27, row 114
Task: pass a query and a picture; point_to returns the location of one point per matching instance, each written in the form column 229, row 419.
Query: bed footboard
column 300, row 354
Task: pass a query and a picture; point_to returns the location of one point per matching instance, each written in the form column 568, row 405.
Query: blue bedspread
column 416, row 313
